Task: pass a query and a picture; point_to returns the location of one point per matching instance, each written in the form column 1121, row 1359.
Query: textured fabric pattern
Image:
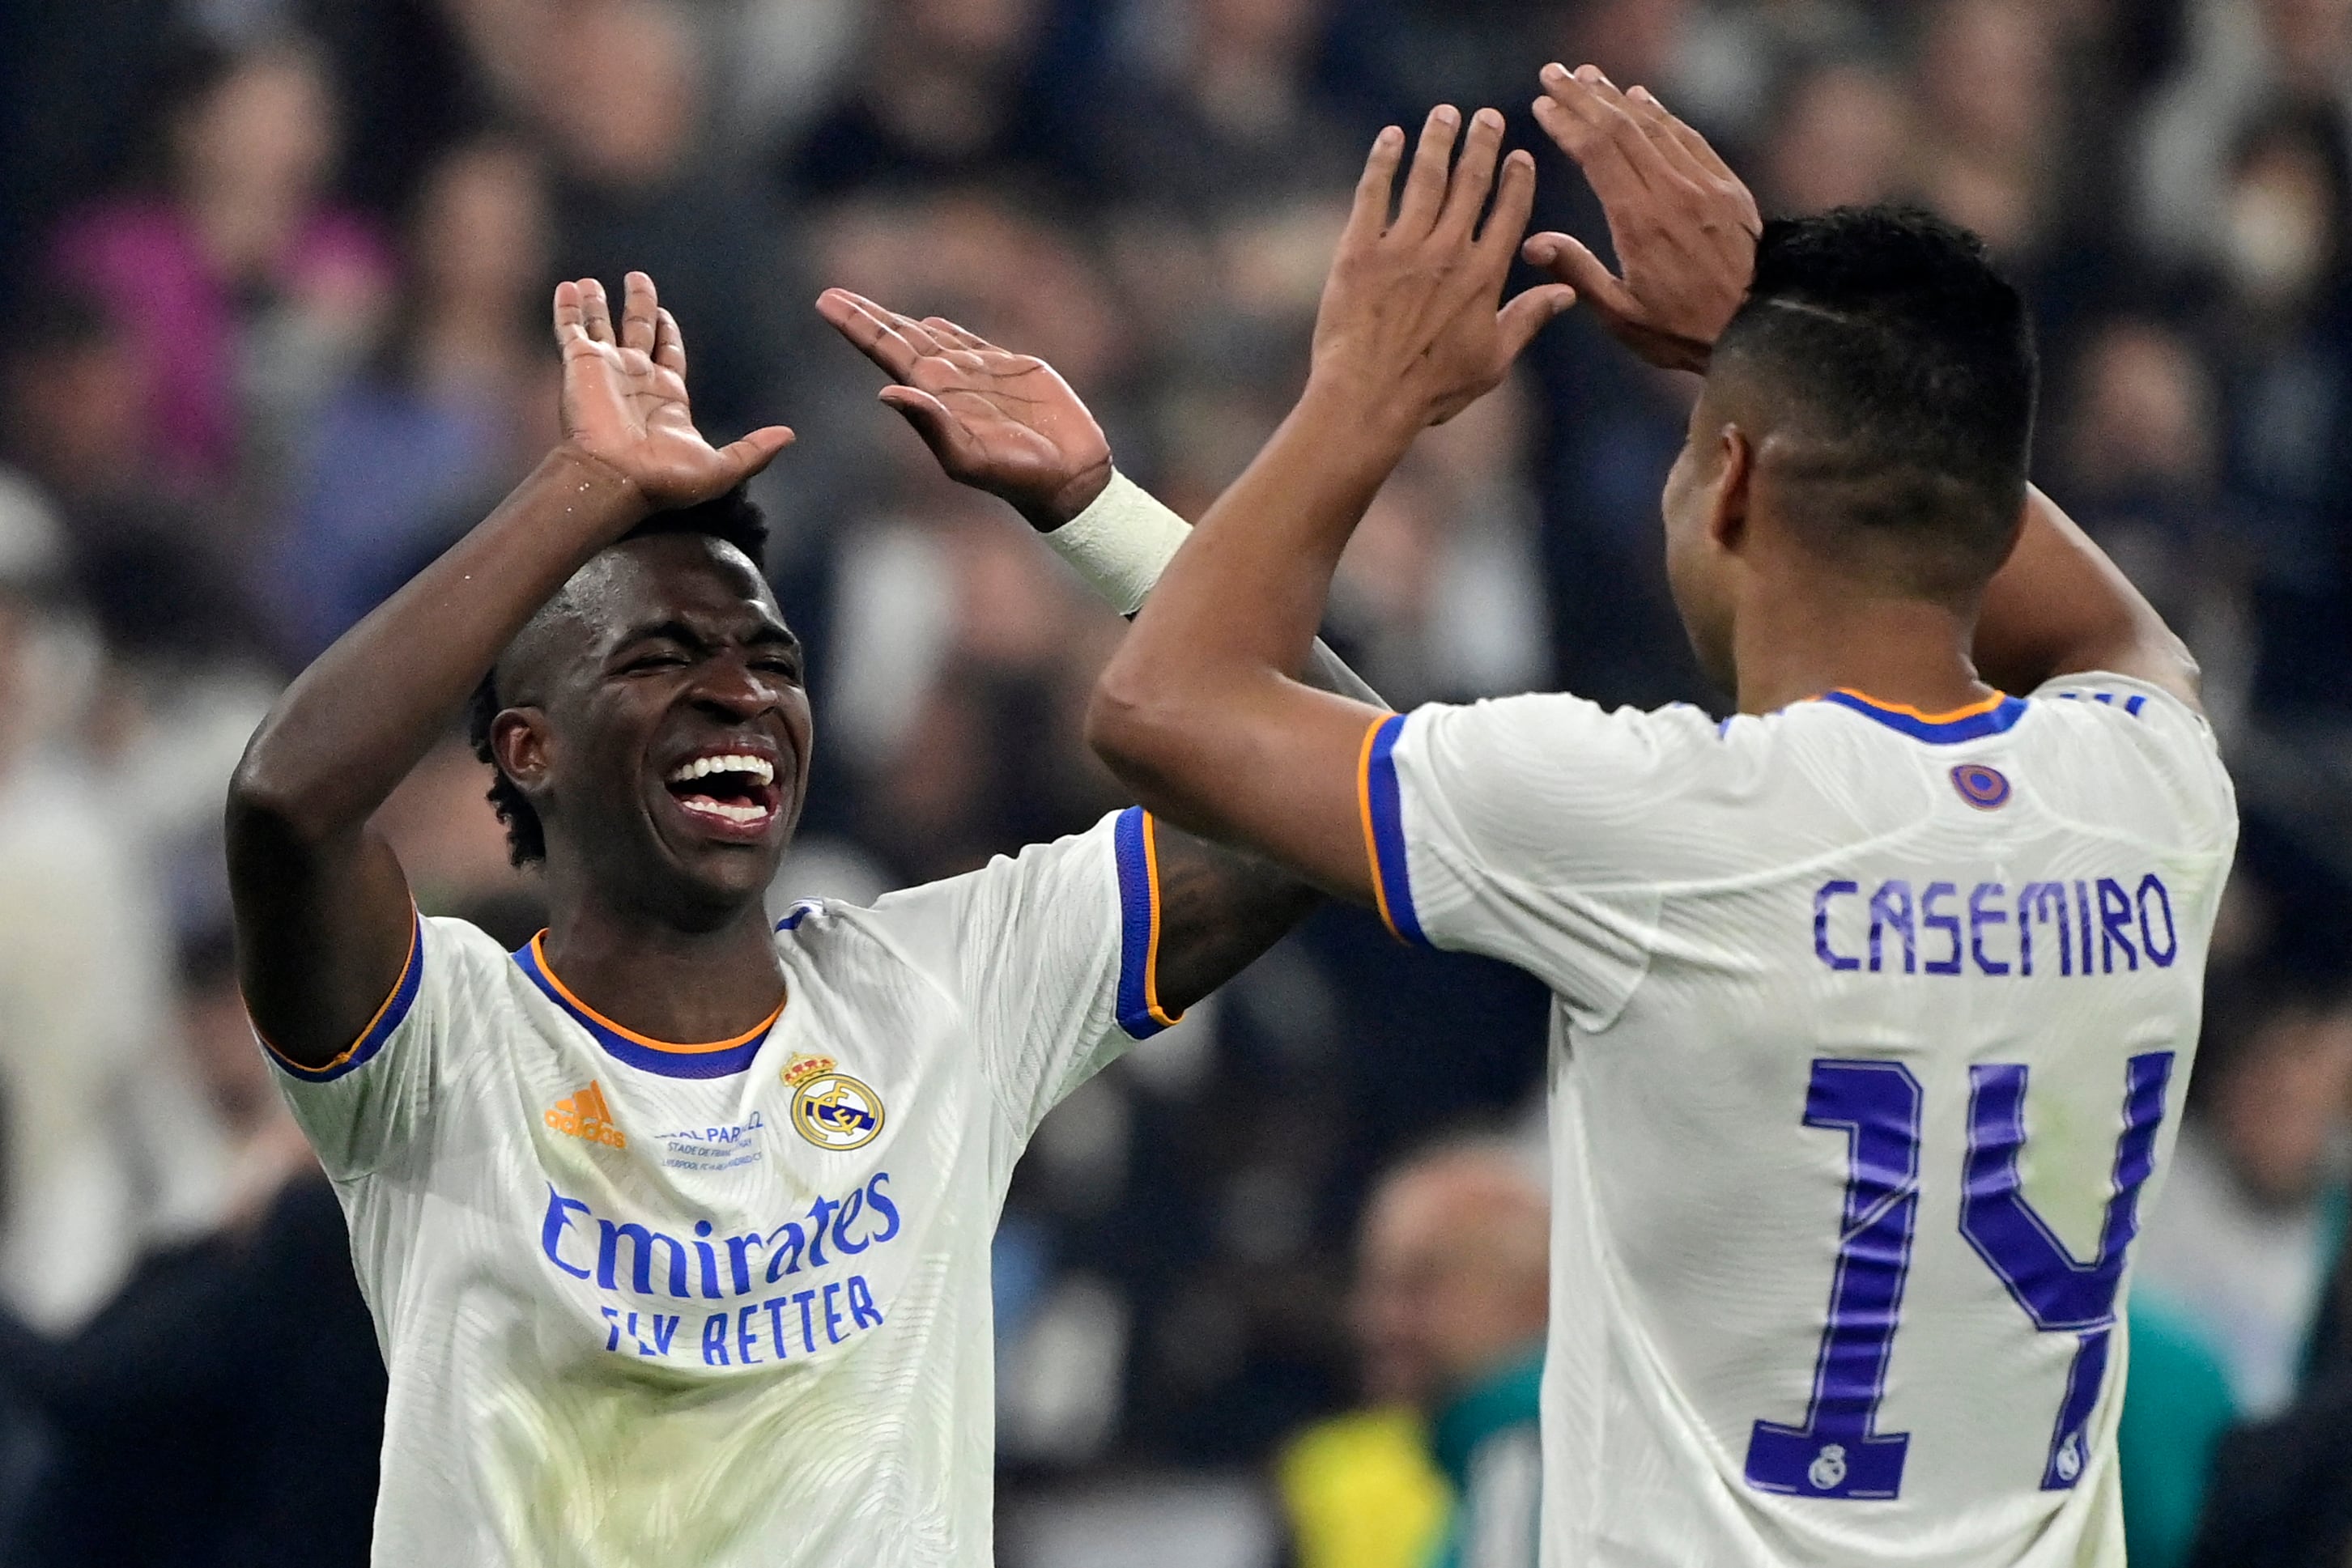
column 1807, row 966
column 634, row 1315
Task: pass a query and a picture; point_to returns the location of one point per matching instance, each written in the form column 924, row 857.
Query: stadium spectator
column 617, row 86
column 242, row 288
column 936, row 97
column 103, row 1144
column 406, row 452
column 2138, row 456
column 2253, row 1216
column 1839, row 139
column 1188, row 1225
column 2279, row 319
column 2280, row 1491
column 1450, row 1313
column 2243, row 61
column 224, row 1409
column 1229, row 115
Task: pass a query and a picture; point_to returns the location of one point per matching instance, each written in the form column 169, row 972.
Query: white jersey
column 724, row 1304
column 1870, row 1039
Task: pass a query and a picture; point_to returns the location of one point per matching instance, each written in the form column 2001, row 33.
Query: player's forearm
column 350, row 727
column 1120, row 543
column 1234, row 619
column 2059, row 607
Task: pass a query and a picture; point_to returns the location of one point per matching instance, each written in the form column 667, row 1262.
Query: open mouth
column 732, row 793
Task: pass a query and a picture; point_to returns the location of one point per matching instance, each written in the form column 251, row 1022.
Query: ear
column 1726, row 517
column 519, row 745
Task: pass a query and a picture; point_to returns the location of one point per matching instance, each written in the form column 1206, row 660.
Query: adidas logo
column 586, row 1115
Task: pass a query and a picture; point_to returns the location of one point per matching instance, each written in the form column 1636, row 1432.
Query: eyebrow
column 770, row 634
column 662, row 630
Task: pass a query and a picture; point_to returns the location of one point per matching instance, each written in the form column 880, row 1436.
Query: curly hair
column 733, row 518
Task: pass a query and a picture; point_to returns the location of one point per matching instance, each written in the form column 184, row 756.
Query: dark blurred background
column 277, row 274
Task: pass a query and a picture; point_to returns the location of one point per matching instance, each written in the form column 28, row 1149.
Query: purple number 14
column 1837, row 1451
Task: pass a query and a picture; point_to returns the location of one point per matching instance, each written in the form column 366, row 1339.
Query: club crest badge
column 830, row 1108
column 1986, row 788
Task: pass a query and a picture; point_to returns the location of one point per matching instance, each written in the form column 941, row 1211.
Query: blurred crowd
column 278, row 270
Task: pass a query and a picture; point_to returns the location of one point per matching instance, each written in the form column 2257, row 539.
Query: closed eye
column 656, row 659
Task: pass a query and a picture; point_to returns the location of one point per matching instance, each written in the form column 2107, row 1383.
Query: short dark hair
column 1915, row 359
column 733, row 518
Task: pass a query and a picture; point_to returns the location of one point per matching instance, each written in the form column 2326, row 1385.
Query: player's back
column 1872, row 1038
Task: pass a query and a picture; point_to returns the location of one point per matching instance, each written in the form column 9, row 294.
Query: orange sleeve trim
column 1371, row 839
column 1152, row 948
column 378, row 1026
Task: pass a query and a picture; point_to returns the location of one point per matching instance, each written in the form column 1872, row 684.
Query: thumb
column 1568, row 259
column 1529, row 313
column 754, row 452
column 941, row 431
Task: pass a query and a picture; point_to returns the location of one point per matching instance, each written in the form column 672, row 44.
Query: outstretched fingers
column 1588, row 118
column 870, row 330
column 1474, row 175
column 919, row 335
column 1693, row 146
column 1424, row 185
column 596, row 311
column 1369, row 213
column 669, row 343
column 947, row 332
column 639, row 313
column 1515, row 203
column 567, row 313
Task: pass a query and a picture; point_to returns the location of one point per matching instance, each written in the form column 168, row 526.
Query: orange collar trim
column 539, row 952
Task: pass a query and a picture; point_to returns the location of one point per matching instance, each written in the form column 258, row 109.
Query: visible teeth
column 732, row 812
column 702, row 766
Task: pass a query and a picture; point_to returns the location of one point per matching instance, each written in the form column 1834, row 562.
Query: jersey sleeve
column 1056, row 958
column 1537, row 830
column 364, row 1108
column 2182, row 752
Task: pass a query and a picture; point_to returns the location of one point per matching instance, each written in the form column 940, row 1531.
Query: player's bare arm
column 1684, row 229
column 1201, row 711
column 1008, row 423
column 323, row 915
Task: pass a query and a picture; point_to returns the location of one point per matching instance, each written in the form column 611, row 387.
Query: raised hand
column 624, row 402
column 1684, row 225
column 998, row 421
column 1409, row 322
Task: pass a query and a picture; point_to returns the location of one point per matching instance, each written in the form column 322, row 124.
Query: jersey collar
column 1993, row 715
column 716, row 1059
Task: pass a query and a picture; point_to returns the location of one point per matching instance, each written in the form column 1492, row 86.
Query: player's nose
column 730, row 690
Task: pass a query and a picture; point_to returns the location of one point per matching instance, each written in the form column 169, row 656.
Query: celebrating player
column 676, row 1223
column 1875, row 1002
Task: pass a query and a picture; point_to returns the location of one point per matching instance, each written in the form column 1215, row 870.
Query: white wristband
column 1122, row 543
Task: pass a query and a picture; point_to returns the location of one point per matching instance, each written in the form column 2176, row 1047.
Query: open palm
column 624, row 400
column 998, row 421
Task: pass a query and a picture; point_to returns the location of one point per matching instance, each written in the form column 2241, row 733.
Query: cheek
column 594, row 754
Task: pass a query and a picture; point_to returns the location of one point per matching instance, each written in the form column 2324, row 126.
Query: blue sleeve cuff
column 1140, row 1013
column 380, row 1028
column 1376, row 791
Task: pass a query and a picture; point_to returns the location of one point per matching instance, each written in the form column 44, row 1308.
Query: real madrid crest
column 830, row 1108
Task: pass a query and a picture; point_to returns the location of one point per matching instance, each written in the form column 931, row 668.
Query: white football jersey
column 1869, row 1037
column 722, row 1304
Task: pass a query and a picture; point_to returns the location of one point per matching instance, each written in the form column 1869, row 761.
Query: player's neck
column 1826, row 636
column 673, row 983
